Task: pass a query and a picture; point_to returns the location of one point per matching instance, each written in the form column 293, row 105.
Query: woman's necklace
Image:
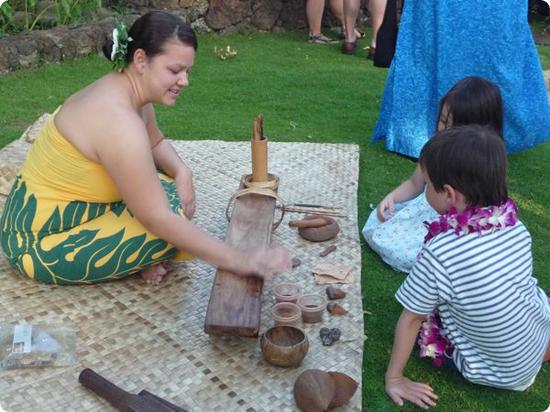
column 478, row 220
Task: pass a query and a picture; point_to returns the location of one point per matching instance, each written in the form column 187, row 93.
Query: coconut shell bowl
column 284, row 345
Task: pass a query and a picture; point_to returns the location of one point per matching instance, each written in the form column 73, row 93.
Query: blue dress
column 440, row 43
column 399, row 240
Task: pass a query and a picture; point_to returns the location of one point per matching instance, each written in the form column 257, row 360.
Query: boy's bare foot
column 154, row 274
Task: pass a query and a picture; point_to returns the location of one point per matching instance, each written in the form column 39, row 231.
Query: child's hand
column 403, row 389
column 386, row 203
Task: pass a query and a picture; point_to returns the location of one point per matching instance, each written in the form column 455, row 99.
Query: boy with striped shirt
column 475, row 271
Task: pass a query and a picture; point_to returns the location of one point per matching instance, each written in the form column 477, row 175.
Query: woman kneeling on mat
column 88, row 205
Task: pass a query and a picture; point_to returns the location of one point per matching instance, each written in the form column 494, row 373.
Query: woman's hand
column 388, row 203
column 402, row 389
column 186, row 191
column 265, row 263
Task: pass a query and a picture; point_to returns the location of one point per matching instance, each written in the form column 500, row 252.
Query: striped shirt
column 494, row 313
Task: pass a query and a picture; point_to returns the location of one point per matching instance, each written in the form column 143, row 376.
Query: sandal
column 358, row 33
column 320, row 39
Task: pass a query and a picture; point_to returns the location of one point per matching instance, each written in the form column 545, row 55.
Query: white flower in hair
column 115, row 44
column 120, row 46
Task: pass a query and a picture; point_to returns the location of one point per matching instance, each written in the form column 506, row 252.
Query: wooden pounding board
column 235, row 301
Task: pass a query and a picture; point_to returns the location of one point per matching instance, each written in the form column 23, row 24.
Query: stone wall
column 238, row 15
column 26, row 50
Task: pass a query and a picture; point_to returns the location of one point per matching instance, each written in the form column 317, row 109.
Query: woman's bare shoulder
column 96, row 101
column 99, row 114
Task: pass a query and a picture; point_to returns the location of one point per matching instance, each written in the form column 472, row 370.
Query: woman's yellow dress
column 64, row 221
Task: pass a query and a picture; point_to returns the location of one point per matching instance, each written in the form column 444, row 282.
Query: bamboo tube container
column 259, row 151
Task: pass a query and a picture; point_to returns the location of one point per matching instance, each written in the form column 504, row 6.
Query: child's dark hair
column 151, row 31
column 471, row 159
column 473, row 100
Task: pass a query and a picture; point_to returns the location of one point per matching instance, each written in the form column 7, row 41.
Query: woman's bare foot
column 154, row 274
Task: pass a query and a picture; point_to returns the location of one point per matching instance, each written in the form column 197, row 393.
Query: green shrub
column 21, row 15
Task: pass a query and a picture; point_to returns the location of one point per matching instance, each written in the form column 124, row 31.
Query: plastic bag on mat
column 40, row 345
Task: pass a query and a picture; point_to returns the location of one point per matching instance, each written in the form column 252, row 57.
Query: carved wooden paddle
column 122, row 400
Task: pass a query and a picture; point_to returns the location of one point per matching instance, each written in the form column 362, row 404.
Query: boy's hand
column 386, row 203
column 403, row 389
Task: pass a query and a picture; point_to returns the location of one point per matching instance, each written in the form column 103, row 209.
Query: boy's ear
column 454, row 198
column 140, row 60
column 450, row 195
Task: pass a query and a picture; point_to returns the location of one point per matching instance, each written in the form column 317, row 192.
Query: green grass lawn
column 313, row 93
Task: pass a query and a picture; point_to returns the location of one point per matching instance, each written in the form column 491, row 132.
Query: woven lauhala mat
column 147, row 337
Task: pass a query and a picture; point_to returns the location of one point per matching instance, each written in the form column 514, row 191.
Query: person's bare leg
column 351, row 11
column 376, row 9
column 314, row 13
column 337, row 8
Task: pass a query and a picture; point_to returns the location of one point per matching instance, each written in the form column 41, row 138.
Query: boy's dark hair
column 473, row 100
column 151, row 31
column 471, row 159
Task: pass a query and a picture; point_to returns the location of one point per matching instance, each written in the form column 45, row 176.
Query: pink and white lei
column 477, row 219
column 432, row 339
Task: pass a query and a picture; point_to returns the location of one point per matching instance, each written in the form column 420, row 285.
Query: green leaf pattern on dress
column 84, row 256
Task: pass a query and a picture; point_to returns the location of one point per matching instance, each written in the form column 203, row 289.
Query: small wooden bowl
column 320, row 234
column 284, row 345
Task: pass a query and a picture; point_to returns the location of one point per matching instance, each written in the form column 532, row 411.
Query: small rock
column 335, row 293
column 335, row 309
column 327, row 251
column 329, row 336
column 295, row 262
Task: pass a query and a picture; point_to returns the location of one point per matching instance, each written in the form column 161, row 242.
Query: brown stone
column 9, row 59
column 335, row 293
column 265, row 13
column 27, row 50
column 196, row 13
column 224, row 13
column 164, row 4
column 194, row 3
column 47, row 45
column 293, row 15
column 335, row 309
column 200, row 25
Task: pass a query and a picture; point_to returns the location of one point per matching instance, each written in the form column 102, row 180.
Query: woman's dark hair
column 473, row 100
column 151, row 31
column 471, row 159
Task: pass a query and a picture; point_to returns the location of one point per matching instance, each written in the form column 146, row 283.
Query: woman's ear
column 140, row 60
